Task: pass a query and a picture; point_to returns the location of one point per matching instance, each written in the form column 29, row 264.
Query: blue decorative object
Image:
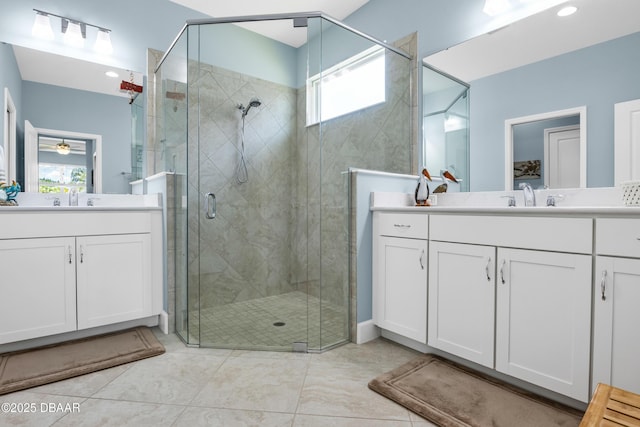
column 8, row 193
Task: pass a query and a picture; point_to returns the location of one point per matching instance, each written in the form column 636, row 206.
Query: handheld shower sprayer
column 242, row 174
column 255, row 102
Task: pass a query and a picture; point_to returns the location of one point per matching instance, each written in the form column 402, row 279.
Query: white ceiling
column 48, row 68
column 281, row 30
column 539, row 37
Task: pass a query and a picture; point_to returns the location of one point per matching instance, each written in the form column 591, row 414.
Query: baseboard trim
column 367, row 331
column 407, row 342
column 163, row 322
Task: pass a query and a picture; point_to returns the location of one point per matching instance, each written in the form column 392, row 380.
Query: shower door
column 243, row 146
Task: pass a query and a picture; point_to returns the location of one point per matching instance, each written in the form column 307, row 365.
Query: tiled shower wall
column 245, row 252
column 378, row 138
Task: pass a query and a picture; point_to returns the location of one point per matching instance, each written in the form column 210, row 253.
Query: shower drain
column 279, row 324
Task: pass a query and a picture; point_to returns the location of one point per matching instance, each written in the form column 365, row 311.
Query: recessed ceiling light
column 111, row 74
column 566, row 11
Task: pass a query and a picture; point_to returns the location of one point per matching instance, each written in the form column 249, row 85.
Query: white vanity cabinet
column 93, row 268
column 37, row 287
column 616, row 341
column 542, row 288
column 400, row 274
column 113, row 279
column 543, row 317
column 462, row 300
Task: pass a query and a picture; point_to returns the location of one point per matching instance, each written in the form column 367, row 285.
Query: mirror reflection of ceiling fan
column 62, row 146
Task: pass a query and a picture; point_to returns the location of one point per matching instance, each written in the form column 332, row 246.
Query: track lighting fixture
column 75, row 32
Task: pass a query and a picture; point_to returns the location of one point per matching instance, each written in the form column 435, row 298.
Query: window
column 354, row 84
column 60, row 178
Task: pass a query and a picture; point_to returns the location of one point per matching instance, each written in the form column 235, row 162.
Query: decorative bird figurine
column 422, row 189
column 445, row 175
column 8, row 193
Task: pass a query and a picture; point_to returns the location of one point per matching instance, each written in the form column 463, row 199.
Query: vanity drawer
column 618, row 236
column 415, row 226
column 558, row 234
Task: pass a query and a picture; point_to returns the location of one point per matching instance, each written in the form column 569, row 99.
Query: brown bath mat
column 29, row 368
column 450, row 395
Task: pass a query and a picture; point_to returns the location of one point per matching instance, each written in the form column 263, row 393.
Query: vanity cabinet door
column 400, row 286
column 37, row 288
column 462, row 300
column 114, row 283
column 543, row 319
column 616, row 343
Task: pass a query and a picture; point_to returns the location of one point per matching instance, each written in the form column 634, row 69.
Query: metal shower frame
column 299, row 19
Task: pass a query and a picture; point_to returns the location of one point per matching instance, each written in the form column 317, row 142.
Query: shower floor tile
column 274, row 322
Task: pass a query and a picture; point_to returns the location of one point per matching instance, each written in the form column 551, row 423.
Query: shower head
column 255, row 102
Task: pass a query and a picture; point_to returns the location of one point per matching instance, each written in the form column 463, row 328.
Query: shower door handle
column 210, row 205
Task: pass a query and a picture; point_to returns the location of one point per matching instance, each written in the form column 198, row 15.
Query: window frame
column 314, row 83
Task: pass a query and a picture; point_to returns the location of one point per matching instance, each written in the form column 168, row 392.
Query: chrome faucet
column 529, row 195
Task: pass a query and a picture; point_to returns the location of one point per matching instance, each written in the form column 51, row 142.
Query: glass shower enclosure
column 261, row 132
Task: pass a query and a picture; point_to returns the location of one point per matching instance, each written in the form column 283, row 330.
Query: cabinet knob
column 502, row 271
column 486, row 269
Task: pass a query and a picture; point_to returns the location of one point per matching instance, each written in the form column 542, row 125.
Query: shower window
column 351, row 85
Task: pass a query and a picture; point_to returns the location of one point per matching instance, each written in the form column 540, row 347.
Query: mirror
column 545, row 64
column 445, row 127
column 75, row 96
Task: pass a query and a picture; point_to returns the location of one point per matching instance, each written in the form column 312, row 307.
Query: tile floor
column 250, row 324
column 209, row 387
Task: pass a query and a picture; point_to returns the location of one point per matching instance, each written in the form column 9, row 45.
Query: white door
column 400, row 299
column 462, row 300
column 37, row 288
column 31, row 174
column 114, row 284
column 616, row 346
column 562, row 157
column 10, row 114
column 627, row 141
column 543, row 319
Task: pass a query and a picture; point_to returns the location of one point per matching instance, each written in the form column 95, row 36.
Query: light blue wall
column 597, row 77
column 57, row 108
column 366, row 182
column 440, row 24
column 242, row 49
column 10, row 79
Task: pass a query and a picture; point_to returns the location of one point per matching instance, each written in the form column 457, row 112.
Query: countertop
column 499, row 210
column 580, row 202
column 67, row 209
